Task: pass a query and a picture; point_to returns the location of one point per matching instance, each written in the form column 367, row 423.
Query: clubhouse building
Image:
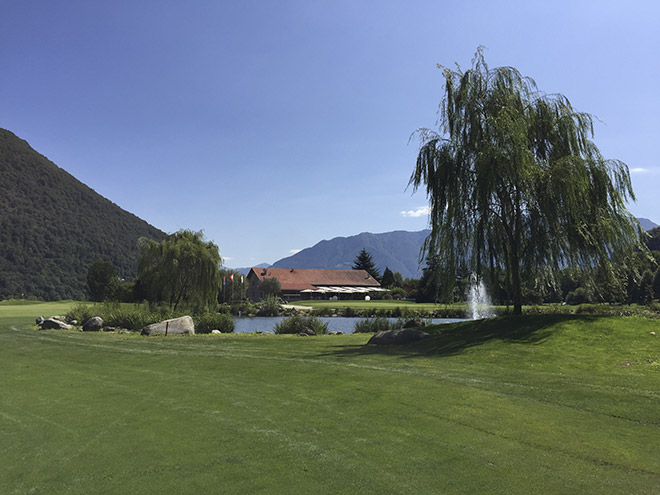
column 305, row 283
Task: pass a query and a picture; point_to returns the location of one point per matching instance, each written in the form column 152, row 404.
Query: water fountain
column 478, row 300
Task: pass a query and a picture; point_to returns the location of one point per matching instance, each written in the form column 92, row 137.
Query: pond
column 249, row 324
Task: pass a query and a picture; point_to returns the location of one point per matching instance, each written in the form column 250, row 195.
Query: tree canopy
column 181, row 270
column 515, row 182
column 364, row 261
column 102, row 281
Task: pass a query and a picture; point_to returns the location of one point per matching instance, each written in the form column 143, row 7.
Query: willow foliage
column 181, row 270
column 515, row 182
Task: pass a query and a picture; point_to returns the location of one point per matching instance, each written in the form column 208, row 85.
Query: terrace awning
column 335, row 289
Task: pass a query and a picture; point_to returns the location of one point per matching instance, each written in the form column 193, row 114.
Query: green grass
column 537, row 404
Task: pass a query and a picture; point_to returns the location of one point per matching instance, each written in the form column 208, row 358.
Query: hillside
column 53, row 226
column 398, row 250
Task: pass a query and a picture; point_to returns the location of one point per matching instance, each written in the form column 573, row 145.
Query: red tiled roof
column 306, row 278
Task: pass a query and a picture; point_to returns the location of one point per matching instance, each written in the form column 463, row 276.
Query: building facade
column 305, row 283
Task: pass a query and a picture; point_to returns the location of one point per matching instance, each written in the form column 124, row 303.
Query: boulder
column 414, row 323
column 40, row 320
column 174, row 326
column 60, row 318
column 94, row 324
column 109, row 329
column 398, row 337
column 216, row 331
column 53, row 324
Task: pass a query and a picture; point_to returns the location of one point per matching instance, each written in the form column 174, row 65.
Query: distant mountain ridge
column 52, row 227
column 646, row 223
column 398, row 250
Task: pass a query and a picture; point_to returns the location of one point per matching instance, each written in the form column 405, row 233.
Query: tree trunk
column 516, row 291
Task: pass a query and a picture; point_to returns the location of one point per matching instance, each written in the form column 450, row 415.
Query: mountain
column 398, row 250
column 246, row 269
column 646, row 223
column 52, row 227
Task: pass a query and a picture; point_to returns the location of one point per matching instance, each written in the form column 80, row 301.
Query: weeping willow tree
column 181, row 270
column 516, row 184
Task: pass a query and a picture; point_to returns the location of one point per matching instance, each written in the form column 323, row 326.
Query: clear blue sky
column 274, row 125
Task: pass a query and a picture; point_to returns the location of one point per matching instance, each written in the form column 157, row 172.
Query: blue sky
column 274, row 125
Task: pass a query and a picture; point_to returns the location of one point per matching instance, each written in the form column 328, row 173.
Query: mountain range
column 398, row 250
column 52, row 227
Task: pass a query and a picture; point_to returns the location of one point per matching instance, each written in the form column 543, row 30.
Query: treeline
column 633, row 279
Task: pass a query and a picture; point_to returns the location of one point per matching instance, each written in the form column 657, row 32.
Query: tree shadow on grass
column 452, row 339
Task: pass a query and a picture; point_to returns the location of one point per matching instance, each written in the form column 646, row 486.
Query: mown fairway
column 538, row 404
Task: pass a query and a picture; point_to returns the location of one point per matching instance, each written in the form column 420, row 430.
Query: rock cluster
column 54, row 323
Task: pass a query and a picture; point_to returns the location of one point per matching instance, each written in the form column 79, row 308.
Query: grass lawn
column 535, row 404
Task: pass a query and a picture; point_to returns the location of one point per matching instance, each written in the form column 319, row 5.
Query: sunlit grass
column 536, row 404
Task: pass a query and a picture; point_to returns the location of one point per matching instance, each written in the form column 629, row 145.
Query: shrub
column 115, row 315
column 269, row 306
column 370, row 325
column 245, row 308
column 399, row 293
column 578, row 296
column 296, row 324
column 206, row 322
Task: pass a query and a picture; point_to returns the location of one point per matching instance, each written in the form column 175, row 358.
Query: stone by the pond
column 54, row 324
column 216, row 331
column 94, row 324
column 414, row 323
column 398, row 337
column 109, row 329
column 174, row 326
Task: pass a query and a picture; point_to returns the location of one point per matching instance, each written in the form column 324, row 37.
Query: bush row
column 137, row 317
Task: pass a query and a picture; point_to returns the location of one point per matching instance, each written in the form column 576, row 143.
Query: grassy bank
column 537, row 404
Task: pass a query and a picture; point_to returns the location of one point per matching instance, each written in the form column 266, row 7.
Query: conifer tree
column 364, row 261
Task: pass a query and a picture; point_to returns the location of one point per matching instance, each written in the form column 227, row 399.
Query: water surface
column 249, row 324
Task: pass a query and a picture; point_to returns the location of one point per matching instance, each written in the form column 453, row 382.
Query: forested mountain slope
column 52, row 226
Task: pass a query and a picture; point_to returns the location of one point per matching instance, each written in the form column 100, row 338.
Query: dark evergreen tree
column 102, row 281
column 430, row 285
column 364, row 261
column 388, row 278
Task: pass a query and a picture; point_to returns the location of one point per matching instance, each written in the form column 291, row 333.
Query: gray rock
column 94, row 324
column 414, row 323
column 182, row 325
column 109, row 329
column 303, row 334
column 52, row 324
column 60, row 318
column 398, row 337
column 40, row 320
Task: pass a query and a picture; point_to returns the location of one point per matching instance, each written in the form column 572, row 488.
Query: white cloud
column 419, row 212
column 639, row 170
column 294, row 251
column 226, row 258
